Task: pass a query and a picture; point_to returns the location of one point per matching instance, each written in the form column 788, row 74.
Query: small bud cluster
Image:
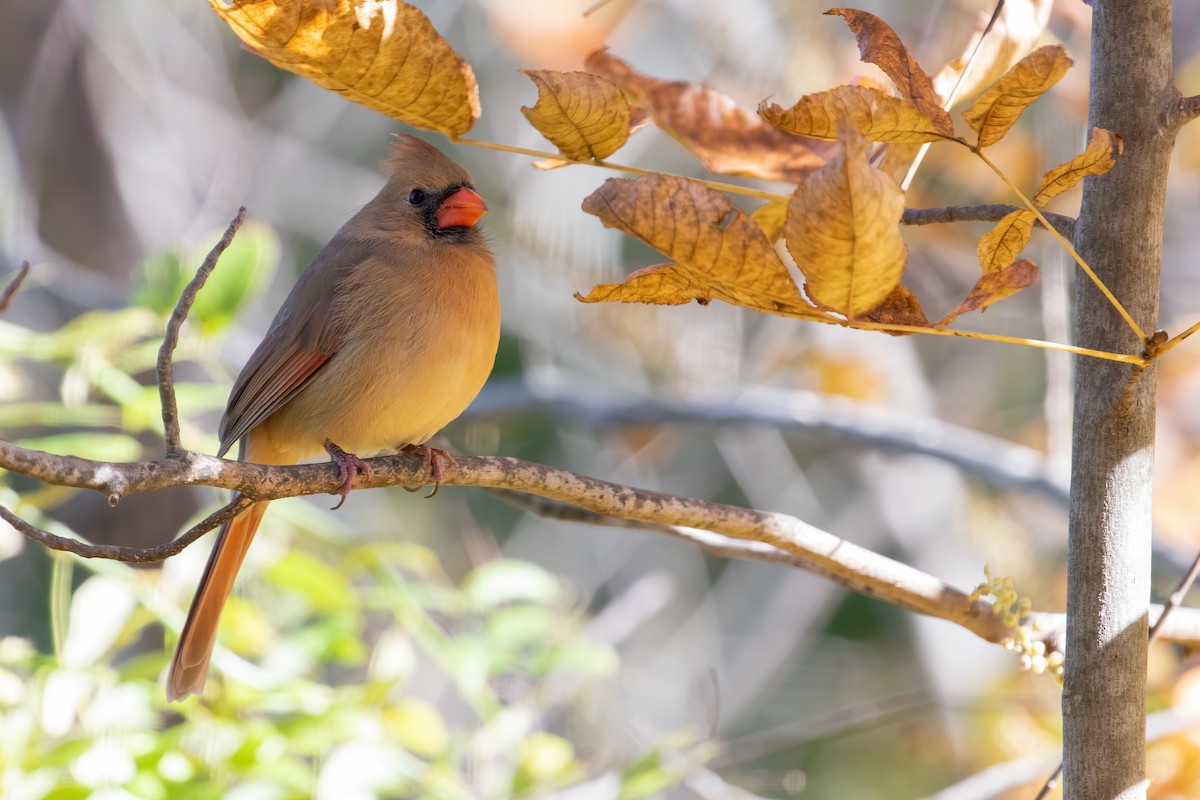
column 1013, row 608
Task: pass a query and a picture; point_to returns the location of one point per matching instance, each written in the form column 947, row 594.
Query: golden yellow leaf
column 901, row 307
column 727, row 139
column 1095, row 160
column 719, row 252
column 1013, row 34
column 770, row 216
column 994, row 286
column 843, row 230
column 878, row 44
column 998, row 108
column 383, row 54
column 877, row 116
column 1002, row 245
column 584, row 115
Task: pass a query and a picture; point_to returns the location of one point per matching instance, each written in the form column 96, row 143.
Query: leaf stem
column 720, row 186
column 1174, row 340
column 1061, row 240
column 1138, row 360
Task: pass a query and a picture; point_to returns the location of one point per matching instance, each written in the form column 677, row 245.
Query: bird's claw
column 430, row 456
column 348, row 466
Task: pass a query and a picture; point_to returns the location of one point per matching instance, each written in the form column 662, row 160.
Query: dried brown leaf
column 995, row 286
column 383, row 54
column 843, row 230
column 1095, row 160
column 1013, row 35
column 661, row 284
column 998, row 108
column 901, row 307
column 878, row 44
column 877, row 116
column 719, row 252
column 727, row 139
column 1002, row 245
column 583, row 115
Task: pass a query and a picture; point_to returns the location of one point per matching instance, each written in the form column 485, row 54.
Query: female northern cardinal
column 387, row 336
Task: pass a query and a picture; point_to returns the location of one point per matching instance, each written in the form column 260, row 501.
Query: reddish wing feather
column 272, row 384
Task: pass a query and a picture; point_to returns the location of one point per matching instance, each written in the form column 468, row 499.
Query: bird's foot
column 430, row 456
column 348, row 465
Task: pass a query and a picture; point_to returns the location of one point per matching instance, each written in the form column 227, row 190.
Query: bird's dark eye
column 416, row 197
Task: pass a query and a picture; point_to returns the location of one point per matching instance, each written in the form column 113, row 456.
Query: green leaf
column 244, row 268
column 98, row 446
column 510, row 581
column 324, row 586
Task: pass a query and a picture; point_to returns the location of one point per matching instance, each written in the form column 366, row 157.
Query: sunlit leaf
column 322, row 584
column 878, row 44
column 901, row 307
column 770, row 216
column 1002, row 245
column 996, row 286
column 1097, row 159
column 383, row 54
column 879, row 117
column 416, row 725
column 998, row 108
column 584, row 115
column 843, row 230
column 94, row 445
column 720, row 253
column 726, row 139
column 1016, row 30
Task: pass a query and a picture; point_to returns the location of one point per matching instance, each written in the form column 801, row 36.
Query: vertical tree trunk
column 1119, row 234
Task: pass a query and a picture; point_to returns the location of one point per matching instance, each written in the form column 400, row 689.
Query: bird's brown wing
column 297, row 345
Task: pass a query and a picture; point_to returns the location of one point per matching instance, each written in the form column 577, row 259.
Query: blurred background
column 461, row 647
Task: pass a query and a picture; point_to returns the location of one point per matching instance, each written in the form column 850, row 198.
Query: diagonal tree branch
column 165, row 369
column 7, row 295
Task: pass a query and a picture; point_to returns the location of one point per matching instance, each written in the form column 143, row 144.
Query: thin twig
column 1185, row 111
column 990, row 212
column 165, row 370
column 130, row 555
column 949, row 104
column 12, row 287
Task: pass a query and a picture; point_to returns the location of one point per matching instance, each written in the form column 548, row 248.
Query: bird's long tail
column 189, row 667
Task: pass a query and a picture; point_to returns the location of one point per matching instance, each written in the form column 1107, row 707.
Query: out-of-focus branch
column 996, row 461
column 165, row 369
column 991, row 212
column 7, row 295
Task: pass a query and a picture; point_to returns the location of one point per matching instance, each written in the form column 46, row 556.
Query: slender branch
column 10, row 290
column 1184, row 112
column 991, row 212
column 165, row 370
column 1176, row 598
column 958, row 84
column 132, row 555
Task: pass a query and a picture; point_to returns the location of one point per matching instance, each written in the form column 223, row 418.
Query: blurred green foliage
column 354, row 669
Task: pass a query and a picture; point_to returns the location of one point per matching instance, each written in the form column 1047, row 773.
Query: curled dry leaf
column 998, row 108
column 1016, row 30
column 1002, row 245
column 719, row 252
column 878, row 44
column 727, row 139
column 995, row 286
column 843, row 230
column 877, row 116
column 1097, row 159
column 901, row 307
column 583, row 115
column 383, row 54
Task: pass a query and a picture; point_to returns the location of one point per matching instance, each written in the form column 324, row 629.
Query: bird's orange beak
column 460, row 210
